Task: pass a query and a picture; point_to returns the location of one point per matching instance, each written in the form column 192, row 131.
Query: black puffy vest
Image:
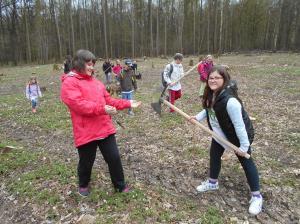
column 225, row 121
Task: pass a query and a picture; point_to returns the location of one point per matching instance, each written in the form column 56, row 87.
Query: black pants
column 110, row 152
column 216, row 152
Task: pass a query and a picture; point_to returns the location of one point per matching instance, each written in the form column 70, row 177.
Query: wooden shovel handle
column 219, row 138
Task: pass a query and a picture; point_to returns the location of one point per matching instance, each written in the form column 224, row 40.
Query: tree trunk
column 157, row 28
column 221, row 29
column 132, row 28
column 208, row 26
column 13, row 33
column 72, row 27
column 215, row 34
column 166, row 32
column 104, row 7
column 194, row 27
column 201, row 28
column 53, row 12
column 151, row 30
column 28, row 46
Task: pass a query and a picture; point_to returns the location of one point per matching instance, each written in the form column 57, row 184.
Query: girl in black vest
column 226, row 117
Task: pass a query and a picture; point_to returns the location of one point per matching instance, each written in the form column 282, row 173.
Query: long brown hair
column 207, row 101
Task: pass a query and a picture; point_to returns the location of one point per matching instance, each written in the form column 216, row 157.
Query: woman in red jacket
column 91, row 108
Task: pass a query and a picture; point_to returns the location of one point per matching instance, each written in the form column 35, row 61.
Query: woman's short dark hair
column 82, row 56
column 208, row 93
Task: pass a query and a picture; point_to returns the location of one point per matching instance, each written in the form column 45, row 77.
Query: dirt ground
column 168, row 153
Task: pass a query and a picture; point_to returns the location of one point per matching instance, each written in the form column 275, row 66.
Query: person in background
column 107, row 68
column 117, row 70
column 174, row 86
column 33, row 92
column 203, row 69
column 128, row 82
column 134, row 67
column 68, row 64
column 91, row 108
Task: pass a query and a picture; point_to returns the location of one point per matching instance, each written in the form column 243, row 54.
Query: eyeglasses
column 215, row 78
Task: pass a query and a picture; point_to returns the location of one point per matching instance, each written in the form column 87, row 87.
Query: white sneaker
column 255, row 205
column 206, row 186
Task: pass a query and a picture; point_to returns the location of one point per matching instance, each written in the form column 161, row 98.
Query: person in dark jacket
column 128, row 82
column 91, row 108
column 134, row 67
column 68, row 64
column 107, row 68
column 226, row 116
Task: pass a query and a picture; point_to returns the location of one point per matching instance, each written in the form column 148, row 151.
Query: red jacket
column 86, row 97
column 203, row 70
column 117, row 69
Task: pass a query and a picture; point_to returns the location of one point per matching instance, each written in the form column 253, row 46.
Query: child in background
column 68, row 64
column 33, row 92
column 117, row 70
column 134, row 67
column 106, row 67
column 174, row 86
column 128, row 82
column 203, row 69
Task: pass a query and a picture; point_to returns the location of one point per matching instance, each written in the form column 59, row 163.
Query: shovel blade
column 156, row 107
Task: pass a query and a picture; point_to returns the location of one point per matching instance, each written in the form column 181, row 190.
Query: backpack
column 163, row 81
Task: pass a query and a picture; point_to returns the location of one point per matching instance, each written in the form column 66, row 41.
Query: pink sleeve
column 203, row 71
column 198, row 68
column 74, row 100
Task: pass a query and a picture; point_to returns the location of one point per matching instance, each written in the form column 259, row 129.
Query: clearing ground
column 164, row 158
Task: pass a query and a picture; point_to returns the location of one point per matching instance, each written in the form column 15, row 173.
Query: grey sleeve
column 201, row 116
column 234, row 109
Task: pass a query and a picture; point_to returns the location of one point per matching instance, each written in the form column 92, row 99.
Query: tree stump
column 43, row 89
column 153, row 65
column 55, row 67
column 191, row 63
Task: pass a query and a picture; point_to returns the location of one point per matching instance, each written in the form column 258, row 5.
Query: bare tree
column 55, row 19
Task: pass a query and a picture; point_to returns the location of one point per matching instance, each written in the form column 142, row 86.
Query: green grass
column 51, row 115
column 42, row 180
column 171, row 120
column 140, row 205
column 43, row 184
column 282, row 182
column 15, row 159
column 294, row 140
column 196, row 151
column 211, row 216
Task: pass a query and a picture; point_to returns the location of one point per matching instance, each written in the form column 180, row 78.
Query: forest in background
column 43, row 31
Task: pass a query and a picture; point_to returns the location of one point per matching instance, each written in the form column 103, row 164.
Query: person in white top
column 174, row 85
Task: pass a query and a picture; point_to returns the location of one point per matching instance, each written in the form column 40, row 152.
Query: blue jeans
column 127, row 96
column 34, row 103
